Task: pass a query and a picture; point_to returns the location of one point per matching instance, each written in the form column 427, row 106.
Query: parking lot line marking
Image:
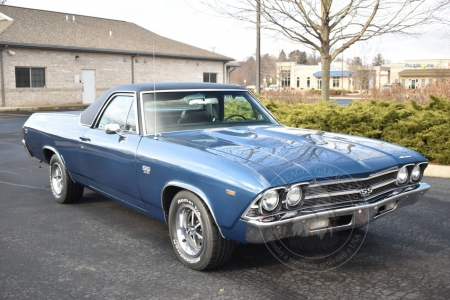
column 24, row 185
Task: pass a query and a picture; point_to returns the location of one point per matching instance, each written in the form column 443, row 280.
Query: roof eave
column 112, row 51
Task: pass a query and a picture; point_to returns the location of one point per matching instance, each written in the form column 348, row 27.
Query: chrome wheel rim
column 57, row 180
column 189, row 228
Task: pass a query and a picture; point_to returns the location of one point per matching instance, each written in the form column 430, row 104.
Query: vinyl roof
column 53, row 30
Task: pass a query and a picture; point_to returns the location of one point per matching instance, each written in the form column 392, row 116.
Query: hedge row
column 424, row 128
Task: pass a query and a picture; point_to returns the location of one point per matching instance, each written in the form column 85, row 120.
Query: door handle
column 82, row 138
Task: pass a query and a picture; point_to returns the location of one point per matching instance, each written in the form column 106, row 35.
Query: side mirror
column 112, row 128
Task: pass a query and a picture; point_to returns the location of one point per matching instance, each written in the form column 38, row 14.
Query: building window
column 403, row 82
column 30, row 77
column 430, row 81
column 308, row 82
column 285, row 78
column 396, row 80
column 209, row 77
column 335, row 81
column 423, row 82
column 298, row 82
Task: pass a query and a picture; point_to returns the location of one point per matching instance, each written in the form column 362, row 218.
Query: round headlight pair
column 270, row 199
column 402, row 175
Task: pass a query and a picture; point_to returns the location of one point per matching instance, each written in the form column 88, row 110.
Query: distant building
column 412, row 74
column 52, row 58
column 419, row 73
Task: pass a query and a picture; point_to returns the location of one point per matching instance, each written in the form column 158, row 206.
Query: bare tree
column 247, row 71
column 269, row 68
column 441, row 73
column 313, row 58
column 3, row 2
column 362, row 69
column 331, row 26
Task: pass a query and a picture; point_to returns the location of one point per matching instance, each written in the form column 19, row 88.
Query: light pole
column 258, row 44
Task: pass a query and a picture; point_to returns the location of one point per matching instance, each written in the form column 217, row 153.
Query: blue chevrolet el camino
column 213, row 163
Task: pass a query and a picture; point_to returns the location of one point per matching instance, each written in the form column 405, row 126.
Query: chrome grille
column 345, row 192
column 349, row 186
column 353, row 198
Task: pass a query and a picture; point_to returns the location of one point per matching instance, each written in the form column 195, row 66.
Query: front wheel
column 64, row 190
column 194, row 234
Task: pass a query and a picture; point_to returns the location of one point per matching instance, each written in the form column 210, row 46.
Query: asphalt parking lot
column 99, row 249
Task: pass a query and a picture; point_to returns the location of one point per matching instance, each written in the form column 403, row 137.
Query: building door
column 88, row 81
column 413, row 84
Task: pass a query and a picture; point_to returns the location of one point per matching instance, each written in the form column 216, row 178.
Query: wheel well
column 167, row 197
column 48, row 154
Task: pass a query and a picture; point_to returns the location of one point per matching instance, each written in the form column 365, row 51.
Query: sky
column 190, row 22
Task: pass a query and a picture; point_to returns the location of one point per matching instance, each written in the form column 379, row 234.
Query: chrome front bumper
column 259, row 232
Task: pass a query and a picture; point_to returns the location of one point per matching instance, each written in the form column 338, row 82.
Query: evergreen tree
column 378, row 60
column 282, row 56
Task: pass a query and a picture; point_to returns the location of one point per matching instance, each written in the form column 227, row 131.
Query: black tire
column 207, row 252
column 64, row 190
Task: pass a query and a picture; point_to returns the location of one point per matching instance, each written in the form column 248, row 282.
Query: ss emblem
column 146, row 170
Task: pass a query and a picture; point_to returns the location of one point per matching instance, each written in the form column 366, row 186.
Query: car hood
column 284, row 155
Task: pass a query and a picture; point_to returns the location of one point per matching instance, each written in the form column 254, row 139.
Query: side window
column 118, row 112
column 239, row 109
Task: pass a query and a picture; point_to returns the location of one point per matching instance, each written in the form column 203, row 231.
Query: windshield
column 176, row 111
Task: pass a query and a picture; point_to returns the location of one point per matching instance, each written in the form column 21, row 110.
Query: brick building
column 49, row 58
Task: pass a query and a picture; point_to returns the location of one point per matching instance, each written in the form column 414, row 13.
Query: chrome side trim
column 112, row 196
column 56, row 152
column 196, row 191
column 26, row 148
column 59, row 156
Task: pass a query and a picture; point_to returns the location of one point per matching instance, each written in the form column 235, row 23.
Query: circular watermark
column 320, row 239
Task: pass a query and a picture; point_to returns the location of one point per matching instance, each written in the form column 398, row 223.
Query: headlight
column 270, row 200
column 402, row 175
column 415, row 174
column 294, row 196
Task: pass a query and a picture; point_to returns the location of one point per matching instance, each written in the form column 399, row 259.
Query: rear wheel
column 195, row 236
column 64, row 190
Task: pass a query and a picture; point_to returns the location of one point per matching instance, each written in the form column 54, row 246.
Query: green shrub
column 424, row 128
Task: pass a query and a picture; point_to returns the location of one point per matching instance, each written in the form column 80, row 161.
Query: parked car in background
column 214, row 164
column 273, row 87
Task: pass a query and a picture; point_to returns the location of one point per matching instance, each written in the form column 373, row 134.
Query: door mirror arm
column 114, row 129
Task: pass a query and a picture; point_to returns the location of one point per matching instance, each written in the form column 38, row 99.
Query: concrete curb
column 437, row 171
column 45, row 108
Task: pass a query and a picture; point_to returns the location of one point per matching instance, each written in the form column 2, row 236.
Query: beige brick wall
column 61, row 69
column 171, row 69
